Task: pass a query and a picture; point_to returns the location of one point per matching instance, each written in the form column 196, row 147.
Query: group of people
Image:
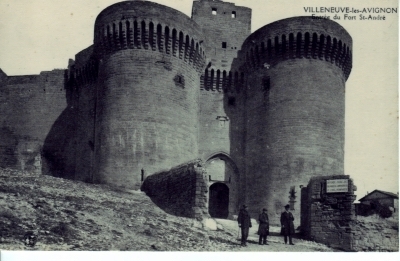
column 287, row 226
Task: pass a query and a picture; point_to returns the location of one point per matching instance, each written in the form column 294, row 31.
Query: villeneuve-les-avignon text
column 350, row 13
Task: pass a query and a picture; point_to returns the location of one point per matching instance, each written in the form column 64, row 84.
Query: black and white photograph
column 129, row 128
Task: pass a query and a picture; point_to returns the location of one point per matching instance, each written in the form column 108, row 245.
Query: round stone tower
column 295, row 72
column 150, row 61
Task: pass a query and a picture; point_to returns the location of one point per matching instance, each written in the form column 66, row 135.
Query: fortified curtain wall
column 29, row 106
column 225, row 27
column 68, row 148
column 83, row 83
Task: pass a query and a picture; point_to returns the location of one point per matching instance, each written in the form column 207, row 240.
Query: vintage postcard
column 198, row 126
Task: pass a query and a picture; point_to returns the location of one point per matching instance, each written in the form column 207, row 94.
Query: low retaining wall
column 181, row 191
column 375, row 234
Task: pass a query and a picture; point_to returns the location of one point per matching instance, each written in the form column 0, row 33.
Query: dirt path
column 274, row 240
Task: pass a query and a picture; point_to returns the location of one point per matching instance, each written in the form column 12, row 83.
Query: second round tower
column 296, row 70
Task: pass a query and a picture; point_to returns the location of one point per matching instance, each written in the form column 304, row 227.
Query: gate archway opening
column 218, row 204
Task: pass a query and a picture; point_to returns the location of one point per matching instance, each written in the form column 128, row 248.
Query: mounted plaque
column 337, row 185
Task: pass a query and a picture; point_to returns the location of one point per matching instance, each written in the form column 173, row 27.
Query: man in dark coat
column 263, row 228
column 244, row 222
column 287, row 229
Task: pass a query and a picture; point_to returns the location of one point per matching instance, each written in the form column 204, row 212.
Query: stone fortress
column 264, row 111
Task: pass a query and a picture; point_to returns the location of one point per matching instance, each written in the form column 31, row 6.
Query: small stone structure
column 327, row 210
column 180, row 191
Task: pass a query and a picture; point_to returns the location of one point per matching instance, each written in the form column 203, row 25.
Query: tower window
column 214, row 11
column 233, row 14
column 223, row 44
column 266, row 85
column 179, row 80
column 231, row 101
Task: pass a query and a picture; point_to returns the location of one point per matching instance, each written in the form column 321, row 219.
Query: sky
column 41, row 35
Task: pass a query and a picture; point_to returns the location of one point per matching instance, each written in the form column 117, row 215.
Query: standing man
column 263, row 228
column 287, row 225
column 244, row 223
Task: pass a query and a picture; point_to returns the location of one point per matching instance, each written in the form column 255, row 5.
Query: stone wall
column 375, row 234
column 214, row 124
column 85, row 82
column 181, row 191
column 68, row 148
column 29, row 106
column 326, row 217
column 143, row 118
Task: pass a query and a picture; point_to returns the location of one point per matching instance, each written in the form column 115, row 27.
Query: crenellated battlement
column 136, row 25
column 222, row 81
column 298, row 37
column 134, row 34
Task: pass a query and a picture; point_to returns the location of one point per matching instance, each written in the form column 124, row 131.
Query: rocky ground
column 69, row 215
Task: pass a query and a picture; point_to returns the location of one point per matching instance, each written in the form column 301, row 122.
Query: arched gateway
column 223, row 182
column 218, row 203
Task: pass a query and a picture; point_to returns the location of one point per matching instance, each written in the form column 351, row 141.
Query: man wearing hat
column 244, row 223
column 263, row 228
column 287, row 225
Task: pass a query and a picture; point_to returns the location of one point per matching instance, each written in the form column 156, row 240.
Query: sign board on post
column 337, row 185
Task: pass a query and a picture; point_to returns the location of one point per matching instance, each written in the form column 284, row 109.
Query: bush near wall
column 374, row 208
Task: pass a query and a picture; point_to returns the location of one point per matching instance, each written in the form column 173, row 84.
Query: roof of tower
column 139, row 9
column 299, row 37
column 302, row 24
column 140, row 24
